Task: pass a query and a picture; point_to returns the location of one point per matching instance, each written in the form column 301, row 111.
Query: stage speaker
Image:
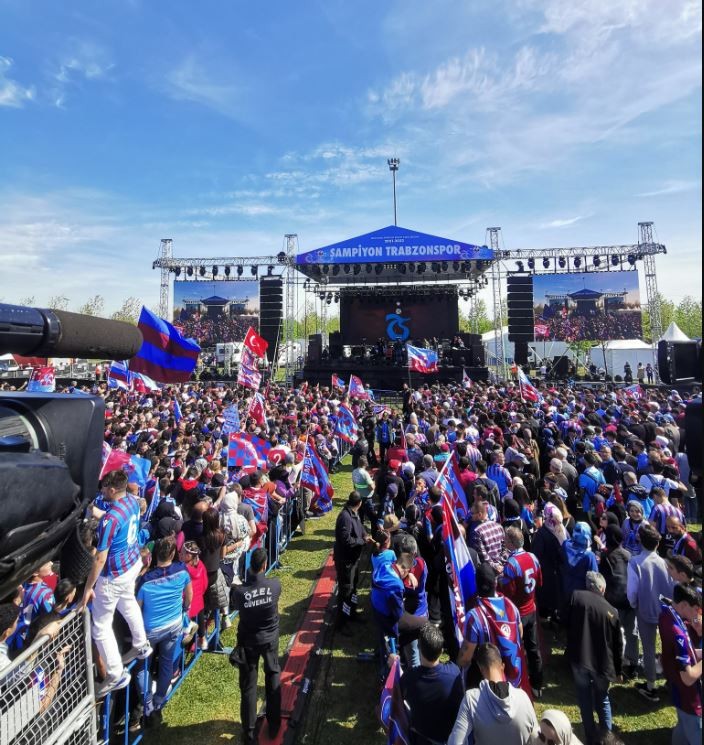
column 679, row 361
column 519, row 298
column 478, row 358
column 271, row 304
column 335, row 345
column 693, row 435
column 520, row 354
column 315, row 347
column 470, row 339
column 560, row 367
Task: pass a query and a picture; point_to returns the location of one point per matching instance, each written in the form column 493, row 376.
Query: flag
column 42, row 380
column 466, row 380
column 393, row 714
column 357, row 389
column 248, row 378
column 422, row 360
column 528, row 391
column 156, row 496
column 241, row 453
column 460, row 570
column 379, row 409
column 261, row 446
column 449, row 484
column 542, row 331
column 257, row 410
column 114, row 460
column 137, row 470
column 346, row 428
column 143, row 383
column 634, row 391
column 338, row 382
column 315, row 477
column 177, row 412
column 231, row 419
column 255, row 343
column 165, row 355
column 119, row 376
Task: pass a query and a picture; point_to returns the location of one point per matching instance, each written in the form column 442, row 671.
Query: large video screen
column 214, row 312
column 587, row 306
column 406, row 317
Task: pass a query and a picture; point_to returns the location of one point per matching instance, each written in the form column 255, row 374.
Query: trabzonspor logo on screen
column 396, row 328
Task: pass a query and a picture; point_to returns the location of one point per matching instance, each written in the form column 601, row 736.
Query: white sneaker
column 137, row 653
column 109, row 686
column 226, row 622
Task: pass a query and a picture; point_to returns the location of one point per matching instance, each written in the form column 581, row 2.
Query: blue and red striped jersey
column 118, row 535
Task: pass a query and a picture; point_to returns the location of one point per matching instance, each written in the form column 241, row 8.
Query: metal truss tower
column 290, row 309
column 166, row 252
column 501, row 368
column 646, row 242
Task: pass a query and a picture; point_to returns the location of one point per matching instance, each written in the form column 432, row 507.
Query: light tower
column 394, row 163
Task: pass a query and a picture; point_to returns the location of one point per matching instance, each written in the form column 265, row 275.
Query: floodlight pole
column 394, row 163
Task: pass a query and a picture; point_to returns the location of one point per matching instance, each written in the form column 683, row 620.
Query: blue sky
column 225, row 125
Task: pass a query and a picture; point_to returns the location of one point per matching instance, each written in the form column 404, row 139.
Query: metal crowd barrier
column 43, row 703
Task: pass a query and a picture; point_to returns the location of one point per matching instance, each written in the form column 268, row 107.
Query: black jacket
column 594, row 635
column 614, row 567
column 258, row 603
column 349, row 536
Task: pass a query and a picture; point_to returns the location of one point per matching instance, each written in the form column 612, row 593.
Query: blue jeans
column 164, row 643
column 688, row 730
column 592, row 693
column 411, row 654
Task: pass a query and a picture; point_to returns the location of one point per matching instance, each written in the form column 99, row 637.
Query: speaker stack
column 519, row 297
column 679, row 361
column 271, row 303
column 315, row 347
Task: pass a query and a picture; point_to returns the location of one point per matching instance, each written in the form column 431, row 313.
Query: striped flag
column 422, row 360
column 346, row 428
column 392, row 710
column 528, row 391
column 42, row 380
column 466, row 380
column 315, row 477
column 460, row 570
column 357, row 389
column 177, row 411
column 261, row 446
column 119, row 376
column 241, row 453
column 143, row 383
column 257, row 410
column 634, row 391
column 338, row 382
column 449, row 484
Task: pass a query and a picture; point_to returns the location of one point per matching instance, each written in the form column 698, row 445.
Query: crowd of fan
column 578, row 509
column 208, row 331
column 577, row 519
column 611, row 325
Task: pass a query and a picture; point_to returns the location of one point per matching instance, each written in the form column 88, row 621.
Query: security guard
column 258, row 636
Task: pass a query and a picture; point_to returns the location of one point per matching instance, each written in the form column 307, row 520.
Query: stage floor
column 384, row 377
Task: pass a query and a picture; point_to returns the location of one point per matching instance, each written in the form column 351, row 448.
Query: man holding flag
column 422, row 360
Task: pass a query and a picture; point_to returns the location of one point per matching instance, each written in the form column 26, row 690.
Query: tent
column 537, row 349
column 674, row 333
column 614, row 355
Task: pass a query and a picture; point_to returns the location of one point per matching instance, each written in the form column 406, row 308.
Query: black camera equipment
column 50, row 444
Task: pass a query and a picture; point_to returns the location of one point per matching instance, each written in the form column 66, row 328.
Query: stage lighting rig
column 201, row 271
column 578, row 262
column 546, row 263
column 335, row 270
column 531, row 264
column 177, row 271
column 227, row 271
column 215, row 271
column 281, row 257
column 189, row 271
column 456, row 266
column 520, row 265
column 346, row 268
column 240, row 269
column 562, row 262
column 401, row 268
column 443, row 266
column 632, row 259
column 615, row 261
column 254, row 271
column 597, row 261
column 379, row 268
column 421, row 267
column 368, row 268
column 357, row 269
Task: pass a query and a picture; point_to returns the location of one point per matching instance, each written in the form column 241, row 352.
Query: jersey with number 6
column 520, row 579
column 117, row 534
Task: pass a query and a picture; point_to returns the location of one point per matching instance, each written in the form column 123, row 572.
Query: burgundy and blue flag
column 527, row 389
column 422, row 360
column 338, row 382
column 119, row 376
column 261, row 446
column 165, row 355
column 634, row 391
column 357, row 389
column 449, row 484
column 315, row 477
column 393, row 714
column 241, row 453
column 346, row 428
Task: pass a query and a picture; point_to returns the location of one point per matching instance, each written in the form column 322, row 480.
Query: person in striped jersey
column 111, row 582
column 659, row 515
column 37, row 599
column 498, row 473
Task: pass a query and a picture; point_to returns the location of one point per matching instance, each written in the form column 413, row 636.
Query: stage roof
column 395, row 254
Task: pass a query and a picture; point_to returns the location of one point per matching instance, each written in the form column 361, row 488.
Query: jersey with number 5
column 520, row 579
column 117, row 534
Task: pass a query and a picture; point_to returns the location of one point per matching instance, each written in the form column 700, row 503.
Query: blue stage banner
column 395, row 245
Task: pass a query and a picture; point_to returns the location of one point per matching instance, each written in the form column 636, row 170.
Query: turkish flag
column 255, row 343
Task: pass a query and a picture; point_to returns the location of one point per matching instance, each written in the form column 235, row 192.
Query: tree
column 29, row 300
column 478, row 317
column 58, row 302
column 94, row 306
column 687, row 314
column 129, row 311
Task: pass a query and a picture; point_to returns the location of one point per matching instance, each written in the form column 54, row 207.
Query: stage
column 382, row 376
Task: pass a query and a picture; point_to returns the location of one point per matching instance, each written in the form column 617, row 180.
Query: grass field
column 342, row 706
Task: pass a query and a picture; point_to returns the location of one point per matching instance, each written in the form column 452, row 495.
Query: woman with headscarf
column 630, row 527
column 236, row 531
column 546, row 544
column 513, row 519
column 555, row 728
column 577, row 559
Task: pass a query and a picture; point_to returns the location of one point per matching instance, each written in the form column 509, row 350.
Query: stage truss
column 327, row 290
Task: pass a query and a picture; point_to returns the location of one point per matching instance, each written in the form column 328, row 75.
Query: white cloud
column 12, row 94
column 672, row 187
column 561, row 222
column 81, row 61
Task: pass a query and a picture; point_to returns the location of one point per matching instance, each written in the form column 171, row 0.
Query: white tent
column 614, row 355
column 538, row 349
column 674, row 333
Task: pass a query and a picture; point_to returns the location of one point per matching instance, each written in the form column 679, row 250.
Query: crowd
column 577, row 514
column 625, row 324
column 208, row 331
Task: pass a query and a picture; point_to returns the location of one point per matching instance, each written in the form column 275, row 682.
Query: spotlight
column 336, row 270
column 201, row 271
column 326, row 269
column 521, row 267
column 614, row 260
column 254, row 271
column 215, row 271
column 368, row 268
column 401, row 268
column 597, row 261
column 189, row 271
column 455, row 266
column 281, row 257
column 632, row 259
column 227, row 271
column 346, row 269
column 240, row 269
column 337, row 297
column 421, row 267
column 329, row 297
column 270, row 271
column 356, row 269
column 562, row 262
column 177, row 271
column 546, row 263
column 467, row 267
column 578, row 262
column 531, row 263
column 379, row 268
column 443, row 266
column 411, row 267
column 306, row 285
column 435, row 267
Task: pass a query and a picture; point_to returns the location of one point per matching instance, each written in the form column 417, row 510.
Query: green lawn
column 342, row 705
